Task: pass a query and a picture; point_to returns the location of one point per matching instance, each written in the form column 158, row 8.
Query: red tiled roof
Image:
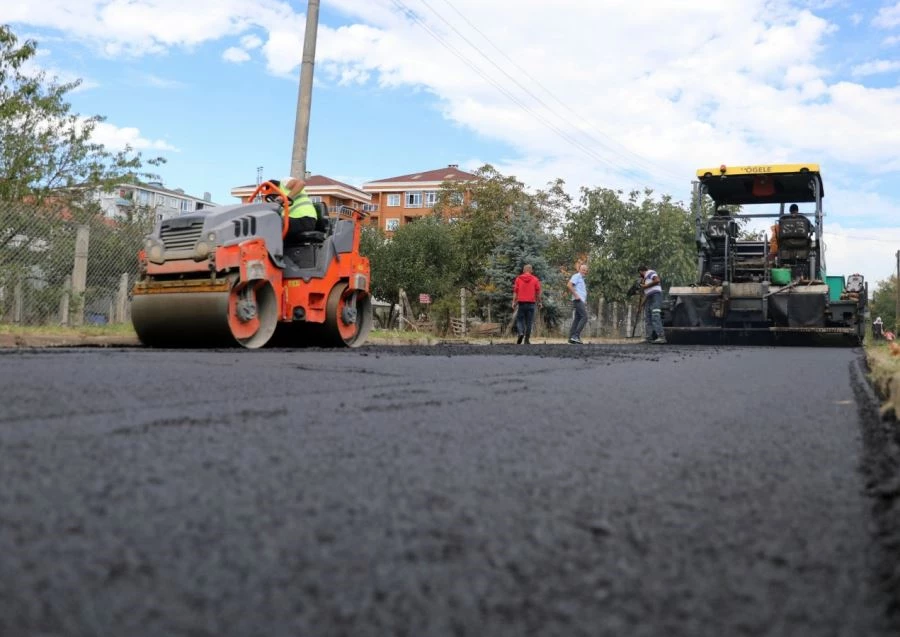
column 450, row 173
column 321, row 180
column 313, row 180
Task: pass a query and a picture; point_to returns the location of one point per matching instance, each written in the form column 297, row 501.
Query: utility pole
column 897, row 291
column 304, row 96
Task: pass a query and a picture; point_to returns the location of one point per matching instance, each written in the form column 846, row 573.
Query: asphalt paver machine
column 770, row 289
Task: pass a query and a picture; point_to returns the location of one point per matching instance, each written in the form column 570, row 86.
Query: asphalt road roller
column 769, row 289
column 226, row 277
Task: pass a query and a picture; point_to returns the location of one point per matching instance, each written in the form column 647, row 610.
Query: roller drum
column 198, row 319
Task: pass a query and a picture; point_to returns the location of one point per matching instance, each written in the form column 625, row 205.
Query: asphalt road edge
column 880, row 466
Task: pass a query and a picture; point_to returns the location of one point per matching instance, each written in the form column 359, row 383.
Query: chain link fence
column 60, row 268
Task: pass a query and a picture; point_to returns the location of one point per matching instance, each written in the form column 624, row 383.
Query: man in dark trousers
column 526, row 294
column 578, row 289
column 652, row 288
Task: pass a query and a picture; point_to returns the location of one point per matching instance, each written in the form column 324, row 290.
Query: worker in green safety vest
column 302, row 214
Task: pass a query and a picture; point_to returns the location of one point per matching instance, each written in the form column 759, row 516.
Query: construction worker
column 878, row 329
column 302, row 213
column 526, row 293
column 652, row 287
column 773, row 242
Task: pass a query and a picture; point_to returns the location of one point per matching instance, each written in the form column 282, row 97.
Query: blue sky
column 597, row 92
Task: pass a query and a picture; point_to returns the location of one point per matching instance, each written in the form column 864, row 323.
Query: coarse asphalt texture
column 452, row 490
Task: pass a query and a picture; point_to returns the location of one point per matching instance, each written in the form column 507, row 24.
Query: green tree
column 51, row 171
column 620, row 233
column 419, row 258
column 522, row 241
column 884, row 302
column 492, row 198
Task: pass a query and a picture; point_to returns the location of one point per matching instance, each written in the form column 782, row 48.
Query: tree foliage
column 884, row 302
column 51, row 173
column 618, row 233
column 522, row 240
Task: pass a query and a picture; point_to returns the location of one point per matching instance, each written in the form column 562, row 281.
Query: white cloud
column 869, row 251
column 160, row 82
column 875, row 66
column 36, row 65
column 891, row 40
column 888, row 17
column 117, row 138
column 234, row 54
column 638, row 92
column 250, row 42
column 856, row 18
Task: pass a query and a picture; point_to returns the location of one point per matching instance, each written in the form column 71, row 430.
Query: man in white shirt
column 578, row 290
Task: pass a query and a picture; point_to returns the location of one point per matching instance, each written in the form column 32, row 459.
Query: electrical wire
column 647, row 165
column 409, row 13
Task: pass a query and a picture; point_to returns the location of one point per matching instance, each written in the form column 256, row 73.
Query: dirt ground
column 75, row 339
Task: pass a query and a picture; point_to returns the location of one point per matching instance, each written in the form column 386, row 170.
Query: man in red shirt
column 526, row 294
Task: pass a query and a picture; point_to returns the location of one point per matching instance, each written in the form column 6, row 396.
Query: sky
column 612, row 93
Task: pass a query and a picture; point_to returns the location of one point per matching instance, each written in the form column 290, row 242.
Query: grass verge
column 884, row 371
column 124, row 329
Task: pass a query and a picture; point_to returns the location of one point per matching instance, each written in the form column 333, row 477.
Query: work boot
column 659, row 341
column 527, row 341
column 519, row 340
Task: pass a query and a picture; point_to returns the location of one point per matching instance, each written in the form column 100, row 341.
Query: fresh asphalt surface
column 452, row 490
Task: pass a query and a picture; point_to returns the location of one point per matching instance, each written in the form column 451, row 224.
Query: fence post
column 600, row 304
column 462, row 309
column 628, row 323
column 64, row 301
column 19, row 302
column 615, row 319
column 122, row 299
column 79, row 273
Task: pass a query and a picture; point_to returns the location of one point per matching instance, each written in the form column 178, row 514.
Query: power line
column 561, row 133
column 858, row 238
column 643, row 163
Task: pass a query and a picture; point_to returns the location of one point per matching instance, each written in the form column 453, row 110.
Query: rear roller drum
column 348, row 317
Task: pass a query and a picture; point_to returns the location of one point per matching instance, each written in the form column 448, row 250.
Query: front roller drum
column 246, row 315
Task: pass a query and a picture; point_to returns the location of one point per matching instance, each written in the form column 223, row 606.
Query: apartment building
column 333, row 193
column 396, row 201
column 167, row 203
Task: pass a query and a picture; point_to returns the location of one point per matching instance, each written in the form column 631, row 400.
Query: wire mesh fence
column 63, row 268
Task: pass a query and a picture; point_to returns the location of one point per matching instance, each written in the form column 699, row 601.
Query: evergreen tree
column 521, row 241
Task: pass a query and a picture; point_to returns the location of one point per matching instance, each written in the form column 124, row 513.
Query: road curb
column 880, row 465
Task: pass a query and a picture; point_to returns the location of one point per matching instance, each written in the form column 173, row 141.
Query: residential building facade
column 333, row 193
column 167, row 203
column 396, row 201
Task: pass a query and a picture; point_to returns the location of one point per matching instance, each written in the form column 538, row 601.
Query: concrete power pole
column 897, row 291
column 304, row 96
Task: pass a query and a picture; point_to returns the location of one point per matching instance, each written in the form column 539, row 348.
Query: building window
column 370, row 207
column 414, row 200
column 430, row 199
column 391, row 225
column 315, row 198
column 393, row 200
column 456, row 198
column 187, row 205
